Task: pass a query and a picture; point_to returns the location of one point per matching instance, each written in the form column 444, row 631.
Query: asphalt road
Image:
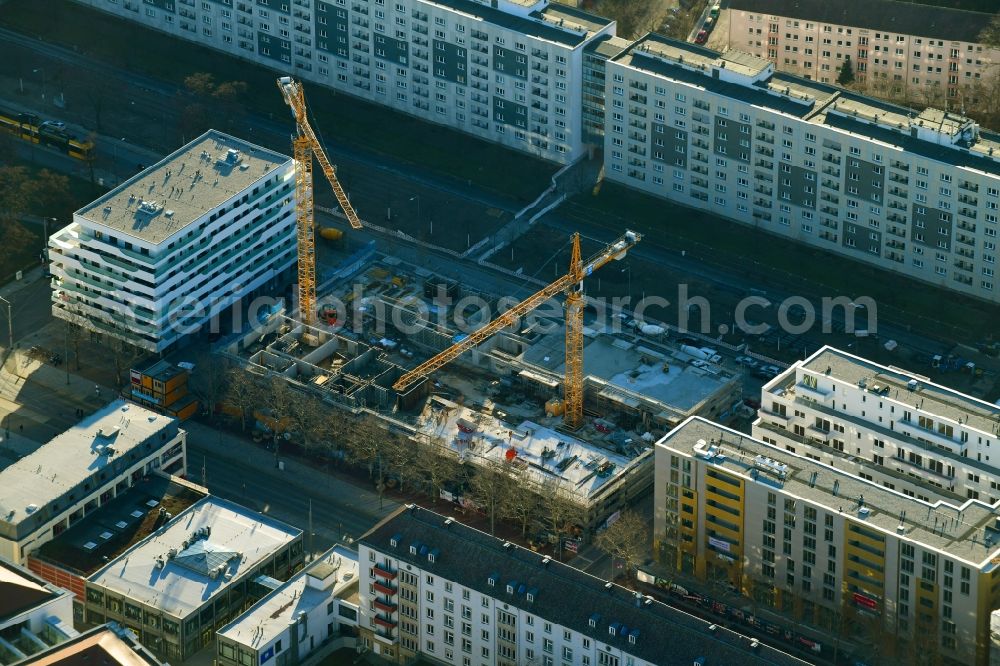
column 239, row 470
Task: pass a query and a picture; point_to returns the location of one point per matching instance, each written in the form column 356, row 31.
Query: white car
column 746, row 361
column 54, row 124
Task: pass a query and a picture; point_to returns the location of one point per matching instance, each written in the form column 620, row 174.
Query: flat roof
column 561, row 594
column 21, row 590
column 928, row 396
column 957, row 529
column 634, row 366
column 608, row 46
column 118, row 525
column 922, row 19
column 75, row 456
column 202, row 565
column 332, row 573
column 555, row 23
column 101, row 646
column 165, row 198
column 581, row 469
column 938, row 135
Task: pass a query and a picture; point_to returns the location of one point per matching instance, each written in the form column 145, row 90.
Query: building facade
column 34, row 614
column 110, row 644
column 316, row 609
column 914, row 194
column 897, row 50
column 910, row 432
column 163, row 253
column 433, row 587
column 508, row 71
column 81, row 470
column 208, row 564
column 828, row 545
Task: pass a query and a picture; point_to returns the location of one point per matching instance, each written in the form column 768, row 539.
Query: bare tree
column 626, row 539
column 559, row 514
column 74, row 335
column 368, row 442
column 525, row 505
column 491, row 488
column 209, row 380
column 437, row 465
column 123, row 352
column 243, row 394
column 990, row 36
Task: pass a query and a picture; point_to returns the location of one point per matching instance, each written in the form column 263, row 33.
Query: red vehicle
column 701, row 37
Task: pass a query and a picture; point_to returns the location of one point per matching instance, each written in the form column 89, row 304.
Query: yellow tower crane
column 572, row 285
column 305, row 147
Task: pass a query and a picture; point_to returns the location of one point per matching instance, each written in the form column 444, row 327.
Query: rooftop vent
column 150, row 207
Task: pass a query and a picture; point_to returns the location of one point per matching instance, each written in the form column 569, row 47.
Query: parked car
column 701, row 37
column 54, row 124
column 747, row 362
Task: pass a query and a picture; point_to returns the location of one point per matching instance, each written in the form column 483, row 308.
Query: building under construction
column 501, row 400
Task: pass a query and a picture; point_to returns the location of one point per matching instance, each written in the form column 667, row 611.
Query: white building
column 914, row 50
column 917, row 194
column 194, row 574
column 34, row 615
column 316, row 607
column 508, row 71
column 164, row 252
column 80, row 470
column 433, row 587
column 909, row 431
column 823, row 543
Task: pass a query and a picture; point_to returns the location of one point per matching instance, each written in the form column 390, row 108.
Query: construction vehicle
column 572, row 285
column 305, row 147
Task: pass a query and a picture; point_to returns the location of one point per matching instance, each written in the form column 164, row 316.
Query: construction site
column 573, row 398
column 502, row 400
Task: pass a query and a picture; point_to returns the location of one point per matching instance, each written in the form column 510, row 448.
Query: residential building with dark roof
column 433, row 587
column 898, row 49
column 913, row 193
column 506, row 71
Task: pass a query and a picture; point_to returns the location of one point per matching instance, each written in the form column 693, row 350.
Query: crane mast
column 572, row 285
column 305, row 147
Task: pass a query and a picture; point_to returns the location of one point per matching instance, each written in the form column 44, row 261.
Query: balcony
column 385, row 606
column 897, row 192
column 902, row 166
column 384, row 572
column 384, row 588
column 831, row 185
column 764, row 137
column 964, row 198
column 902, row 180
column 963, row 185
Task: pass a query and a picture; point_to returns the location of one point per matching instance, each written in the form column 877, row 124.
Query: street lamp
column 417, row 199
column 10, row 324
column 45, row 238
column 41, row 71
